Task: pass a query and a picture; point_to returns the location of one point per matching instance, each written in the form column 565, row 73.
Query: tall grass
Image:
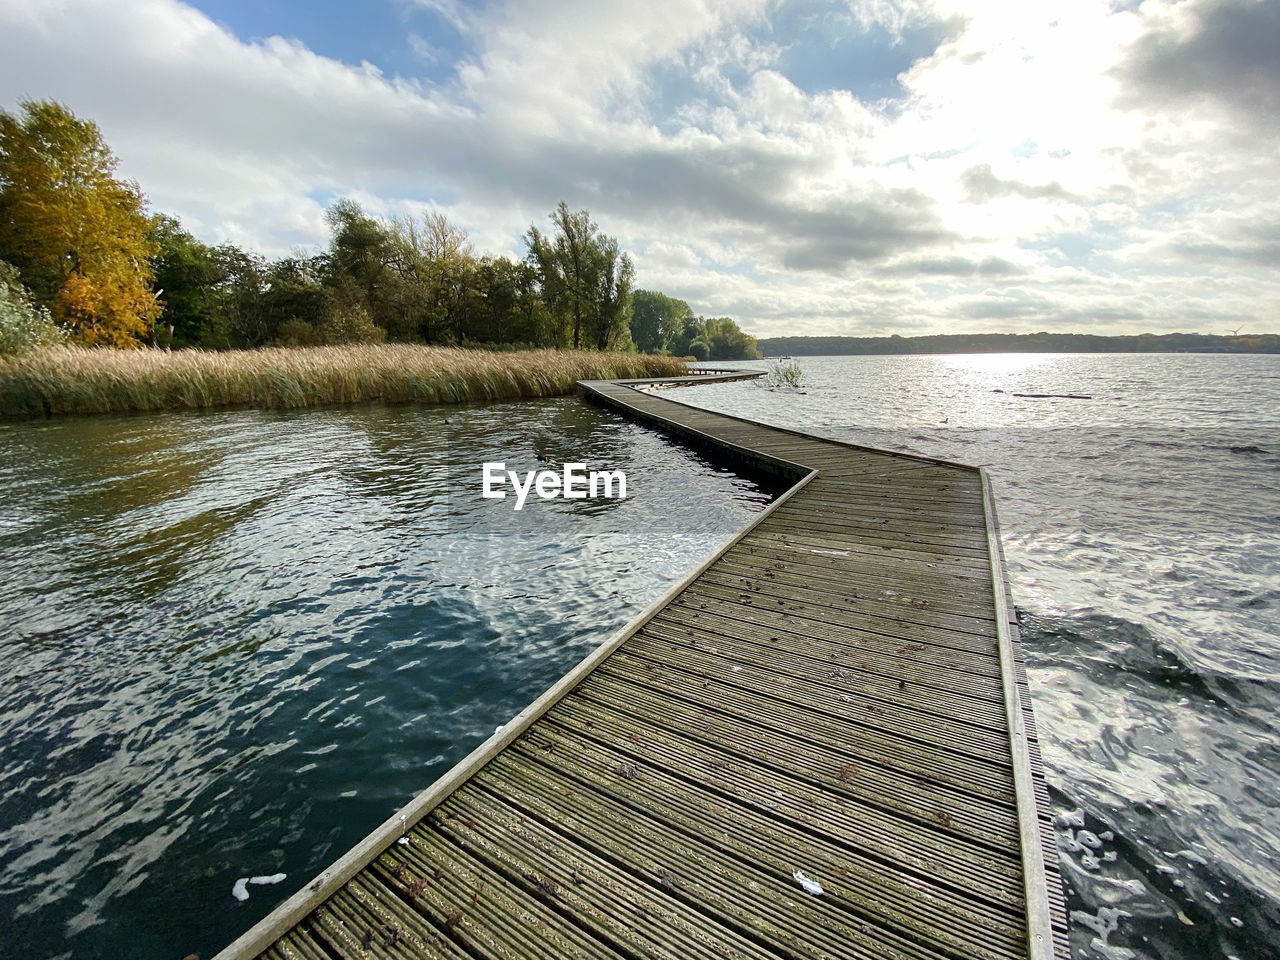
column 77, row 380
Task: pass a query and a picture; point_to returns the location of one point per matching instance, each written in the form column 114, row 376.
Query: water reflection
column 236, row 642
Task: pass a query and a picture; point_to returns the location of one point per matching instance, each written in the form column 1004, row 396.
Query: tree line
column 662, row 324
column 81, row 259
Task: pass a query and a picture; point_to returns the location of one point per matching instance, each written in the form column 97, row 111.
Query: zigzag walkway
column 837, row 691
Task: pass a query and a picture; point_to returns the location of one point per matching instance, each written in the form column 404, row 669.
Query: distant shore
column 71, row 380
column 1019, row 343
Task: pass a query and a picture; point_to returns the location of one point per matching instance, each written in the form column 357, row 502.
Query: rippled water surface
column 234, row 643
column 1142, row 533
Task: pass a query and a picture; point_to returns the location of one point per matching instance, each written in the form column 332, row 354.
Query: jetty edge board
column 710, row 733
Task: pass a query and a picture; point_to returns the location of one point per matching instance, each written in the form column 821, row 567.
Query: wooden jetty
column 837, row 693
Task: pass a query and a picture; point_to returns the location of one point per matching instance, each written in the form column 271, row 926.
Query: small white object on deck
column 812, row 887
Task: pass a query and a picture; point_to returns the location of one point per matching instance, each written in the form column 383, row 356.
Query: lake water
column 234, row 643
column 1142, row 533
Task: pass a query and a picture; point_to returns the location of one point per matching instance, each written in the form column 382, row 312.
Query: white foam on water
column 1071, row 818
column 1089, row 839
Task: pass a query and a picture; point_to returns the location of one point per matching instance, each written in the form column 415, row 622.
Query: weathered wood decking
column 837, row 691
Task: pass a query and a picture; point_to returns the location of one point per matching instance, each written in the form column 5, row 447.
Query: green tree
column 531, row 322
column 726, row 342
column 565, row 265
column 242, row 294
column 23, row 325
column 690, row 332
column 78, row 236
column 352, row 325
column 437, row 298
column 497, row 286
column 203, row 289
column 610, row 317
column 362, row 263
column 586, row 281
column 717, row 338
column 657, row 320
column 290, row 289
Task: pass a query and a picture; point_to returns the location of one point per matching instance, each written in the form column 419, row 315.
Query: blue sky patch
column 380, row 32
column 828, row 50
column 1092, row 247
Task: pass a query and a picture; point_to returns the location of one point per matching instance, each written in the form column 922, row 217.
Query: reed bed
column 71, row 380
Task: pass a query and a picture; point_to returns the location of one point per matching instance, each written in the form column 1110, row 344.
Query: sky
column 818, row 167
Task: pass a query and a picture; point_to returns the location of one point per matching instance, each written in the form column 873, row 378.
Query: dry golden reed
column 80, row 380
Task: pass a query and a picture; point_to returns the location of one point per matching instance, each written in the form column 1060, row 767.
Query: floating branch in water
column 1049, row 396
column 1053, row 396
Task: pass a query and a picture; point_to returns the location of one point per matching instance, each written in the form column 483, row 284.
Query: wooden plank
column 733, row 896
column 858, row 518
column 901, row 544
column 890, row 836
column 860, row 643
column 897, row 568
column 819, row 595
column 623, row 910
column 663, row 698
column 887, row 548
column 714, row 838
column 942, row 593
column 893, row 684
column 788, row 684
column 1040, row 933
column 878, row 643
column 835, row 689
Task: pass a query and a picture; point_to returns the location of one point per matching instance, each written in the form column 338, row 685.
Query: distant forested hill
column 1020, row 343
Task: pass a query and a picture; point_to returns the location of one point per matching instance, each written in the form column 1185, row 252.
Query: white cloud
column 453, row 12
column 424, row 50
column 1035, row 173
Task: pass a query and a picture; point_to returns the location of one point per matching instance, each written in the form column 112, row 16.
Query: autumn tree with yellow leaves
column 77, row 235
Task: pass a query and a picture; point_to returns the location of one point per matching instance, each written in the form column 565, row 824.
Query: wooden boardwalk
column 837, row 691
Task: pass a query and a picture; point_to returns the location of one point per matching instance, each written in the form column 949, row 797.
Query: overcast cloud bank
column 807, row 168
